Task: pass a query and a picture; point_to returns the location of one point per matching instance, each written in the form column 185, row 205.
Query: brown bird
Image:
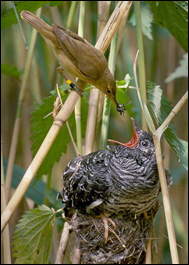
column 77, row 56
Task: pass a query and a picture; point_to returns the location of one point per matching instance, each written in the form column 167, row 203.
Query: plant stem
column 6, row 234
column 19, row 111
column 71, row 14
column 141, row 60
column 166, row 201
column 63, row 244
column 171, row 115
column 78, row 104
column 107, row 102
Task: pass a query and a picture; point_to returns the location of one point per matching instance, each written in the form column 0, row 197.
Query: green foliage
column 121, row 93
column 172, row 15
column 160, row 108
column 146, row 17
column 180, row 71
column 33, row 236
column 36, row 191
column 9, row 18
column 10, row 70
column 40, row 127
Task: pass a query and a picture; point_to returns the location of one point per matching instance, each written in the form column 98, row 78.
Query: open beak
column 134, row 140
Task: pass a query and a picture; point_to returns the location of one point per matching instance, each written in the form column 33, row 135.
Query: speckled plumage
column 114, row 180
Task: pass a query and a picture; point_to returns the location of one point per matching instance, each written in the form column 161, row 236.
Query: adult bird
column 122, row 178
column 77, row 56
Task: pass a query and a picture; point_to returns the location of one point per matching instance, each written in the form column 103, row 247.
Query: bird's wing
column 89, row 60
column 89, row 183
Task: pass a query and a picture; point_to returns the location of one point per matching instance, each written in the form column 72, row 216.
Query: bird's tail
column 42, row 27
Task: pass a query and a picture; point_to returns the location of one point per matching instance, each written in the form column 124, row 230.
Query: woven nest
column 126, row 244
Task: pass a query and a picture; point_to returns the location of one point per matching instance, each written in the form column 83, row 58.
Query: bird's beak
column 134, row 140
column 120, row 108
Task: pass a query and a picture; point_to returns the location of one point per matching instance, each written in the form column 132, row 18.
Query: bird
column 123, row 178
column 77, row 56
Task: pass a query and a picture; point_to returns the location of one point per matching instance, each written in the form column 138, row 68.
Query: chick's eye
column 144, row 143
column 108, row 91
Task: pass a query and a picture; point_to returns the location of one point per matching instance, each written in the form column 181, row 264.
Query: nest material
column 126, row 244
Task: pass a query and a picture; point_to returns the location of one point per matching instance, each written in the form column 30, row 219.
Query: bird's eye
column 108, row 91
column 144, row 143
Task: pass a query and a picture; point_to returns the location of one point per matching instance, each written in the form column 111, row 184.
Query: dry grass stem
column 5, row 239
column 91, row 121
column 148, row 259
column 16, row 129
column 171, row 115
column 63, row 243
column 76, row 256
column 166, row 201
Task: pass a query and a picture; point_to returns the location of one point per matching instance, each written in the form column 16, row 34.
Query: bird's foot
column 60, row 71
column 105, row 221
column 69, row 82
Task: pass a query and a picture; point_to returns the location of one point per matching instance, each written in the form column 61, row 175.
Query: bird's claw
column 105, row 221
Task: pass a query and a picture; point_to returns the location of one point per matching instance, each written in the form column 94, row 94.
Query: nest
column 126, row 244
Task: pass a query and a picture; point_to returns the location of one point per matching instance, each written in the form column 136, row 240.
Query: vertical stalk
column 107, row 103
column 71, row 14
column 78, row 104
column 141, row 60
column 19, row 111
column 166, row 200
column 5, row 234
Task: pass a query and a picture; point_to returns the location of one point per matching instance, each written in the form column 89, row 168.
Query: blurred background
column 162, row 55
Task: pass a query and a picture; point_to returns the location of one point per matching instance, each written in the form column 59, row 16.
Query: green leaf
column 36, row 191
column 172, row 15
column 161, row 108
column 33, row 236
column 180, row 71
column 147, row 19
column 10, row 18
column 40, row 127
column 11, row 70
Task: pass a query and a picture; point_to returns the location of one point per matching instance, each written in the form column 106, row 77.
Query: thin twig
column 21, row 29
column 148, row 258
column 68, row 126
column 171, row 115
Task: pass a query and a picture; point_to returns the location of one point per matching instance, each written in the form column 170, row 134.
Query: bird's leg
column 105, row 221
column 69, row 82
